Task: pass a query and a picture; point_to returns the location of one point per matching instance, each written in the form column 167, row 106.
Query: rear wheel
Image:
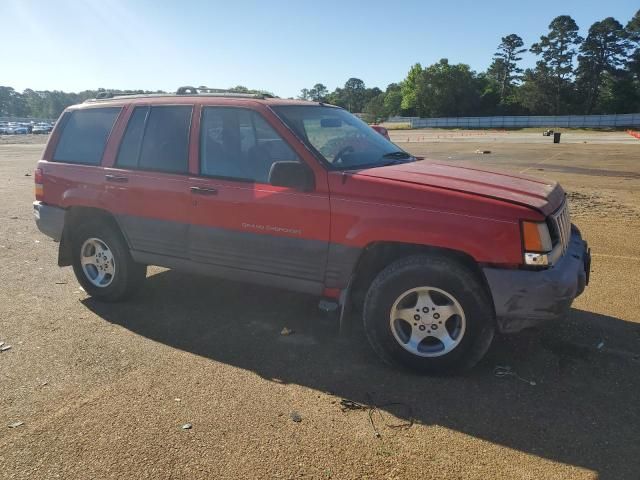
column 102, row 262
column 429, row 313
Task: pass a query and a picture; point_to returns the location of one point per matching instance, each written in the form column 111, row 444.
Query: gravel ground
column 104, row 390
column 30, row 139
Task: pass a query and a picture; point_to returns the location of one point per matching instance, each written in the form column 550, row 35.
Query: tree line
column 573, row 75
column 50, row 104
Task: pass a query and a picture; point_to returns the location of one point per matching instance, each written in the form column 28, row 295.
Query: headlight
column 537, row 243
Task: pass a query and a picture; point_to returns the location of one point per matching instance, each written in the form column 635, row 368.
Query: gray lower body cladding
column 287, row 256
column 49, row 219
column 287, row 262
column 524, row 298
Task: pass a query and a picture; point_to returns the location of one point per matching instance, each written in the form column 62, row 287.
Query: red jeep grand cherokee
column 305, row 196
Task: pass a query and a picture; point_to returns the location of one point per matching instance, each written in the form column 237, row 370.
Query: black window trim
column 63, row 124
column 137, row 168
column 236, row 179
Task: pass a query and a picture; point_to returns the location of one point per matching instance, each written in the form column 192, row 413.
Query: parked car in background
column 305, row 196
column 14, row 128
column 41, row 128
column 21, row 130
column 381, row 130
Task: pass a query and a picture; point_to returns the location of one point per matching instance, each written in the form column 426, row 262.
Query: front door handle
column 116, row 178
column 203, row 191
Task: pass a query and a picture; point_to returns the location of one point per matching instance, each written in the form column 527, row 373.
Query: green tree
column 318, row 93
column 304, row 94
column 393, row 100
column 12, row 103
column 633, row 34
column 618, row 93
column 337, row 98
column 375, row 107
column 536, row 94
column 489, row 90
column 409, row 89
column 558, row 50
column 354, row 94
column 604, row 50
column 444, row 90
column 505, row 64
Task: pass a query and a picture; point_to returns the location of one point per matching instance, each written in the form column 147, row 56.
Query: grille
column 561, row 226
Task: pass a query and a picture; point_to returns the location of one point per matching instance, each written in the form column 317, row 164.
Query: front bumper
column 49, row 219
column 525, row 298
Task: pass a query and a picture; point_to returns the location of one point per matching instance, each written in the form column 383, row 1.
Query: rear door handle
column 203, row 191
column 116, row 178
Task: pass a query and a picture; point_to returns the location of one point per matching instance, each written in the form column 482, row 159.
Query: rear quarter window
column 84, row 135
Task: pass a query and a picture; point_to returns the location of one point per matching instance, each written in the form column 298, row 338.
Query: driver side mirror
column 293, row 175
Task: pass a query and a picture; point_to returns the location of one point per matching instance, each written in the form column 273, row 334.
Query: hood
column 542, row 195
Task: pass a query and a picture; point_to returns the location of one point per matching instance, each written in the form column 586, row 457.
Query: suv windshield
column 342, row 139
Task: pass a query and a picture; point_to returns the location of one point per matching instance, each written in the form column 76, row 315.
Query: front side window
column 157, row 138
column 342, row 139
column 240, row 144
column 84, row 135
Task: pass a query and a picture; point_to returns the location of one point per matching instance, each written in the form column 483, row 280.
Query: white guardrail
column 524, row 121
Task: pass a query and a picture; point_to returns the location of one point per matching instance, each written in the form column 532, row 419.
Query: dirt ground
column 103, row 390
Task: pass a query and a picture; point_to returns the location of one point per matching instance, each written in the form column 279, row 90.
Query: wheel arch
column 75, row 216
column 376, row 256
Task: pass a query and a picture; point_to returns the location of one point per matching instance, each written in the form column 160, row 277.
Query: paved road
column 103, row 390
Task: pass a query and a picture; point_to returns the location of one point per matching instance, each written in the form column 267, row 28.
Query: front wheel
column 429, row 313
column 102, row 262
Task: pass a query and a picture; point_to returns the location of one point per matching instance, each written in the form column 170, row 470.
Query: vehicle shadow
column 581, row 411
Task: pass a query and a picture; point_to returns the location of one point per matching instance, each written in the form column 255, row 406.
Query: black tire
column 441, row 273
column 128, row 276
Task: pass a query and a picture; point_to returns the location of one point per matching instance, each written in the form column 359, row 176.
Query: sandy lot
column 103, row 390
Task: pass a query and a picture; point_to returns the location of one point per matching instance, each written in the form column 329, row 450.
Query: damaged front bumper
column 525, row 298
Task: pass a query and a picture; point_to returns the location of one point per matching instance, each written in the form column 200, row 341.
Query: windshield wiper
column 396, row 154
column 398, row 158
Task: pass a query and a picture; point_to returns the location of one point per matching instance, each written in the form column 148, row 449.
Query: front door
column 241, row 224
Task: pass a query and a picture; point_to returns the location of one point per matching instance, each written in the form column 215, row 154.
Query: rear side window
column 84, row 135
column 157, row 138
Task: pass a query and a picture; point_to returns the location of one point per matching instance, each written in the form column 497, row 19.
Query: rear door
column 241, row 224
column 73, row 174
column 148, row 181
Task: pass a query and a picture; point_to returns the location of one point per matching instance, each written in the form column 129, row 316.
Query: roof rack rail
column 186, row 90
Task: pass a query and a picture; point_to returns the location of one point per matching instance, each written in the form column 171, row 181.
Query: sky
column 274, row 45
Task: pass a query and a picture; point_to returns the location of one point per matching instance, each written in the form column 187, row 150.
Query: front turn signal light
column 536, row 238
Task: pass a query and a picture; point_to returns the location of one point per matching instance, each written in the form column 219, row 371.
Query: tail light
column 39, row 186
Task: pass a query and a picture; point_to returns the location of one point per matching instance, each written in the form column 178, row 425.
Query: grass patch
column 396, row 125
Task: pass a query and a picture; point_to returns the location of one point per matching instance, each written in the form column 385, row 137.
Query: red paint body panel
column 474, row 211
column 518, row 189
column 263, row 209
column 367, row 209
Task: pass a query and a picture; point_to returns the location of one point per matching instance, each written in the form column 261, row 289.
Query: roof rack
column 186, row 90
column 220, row 91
